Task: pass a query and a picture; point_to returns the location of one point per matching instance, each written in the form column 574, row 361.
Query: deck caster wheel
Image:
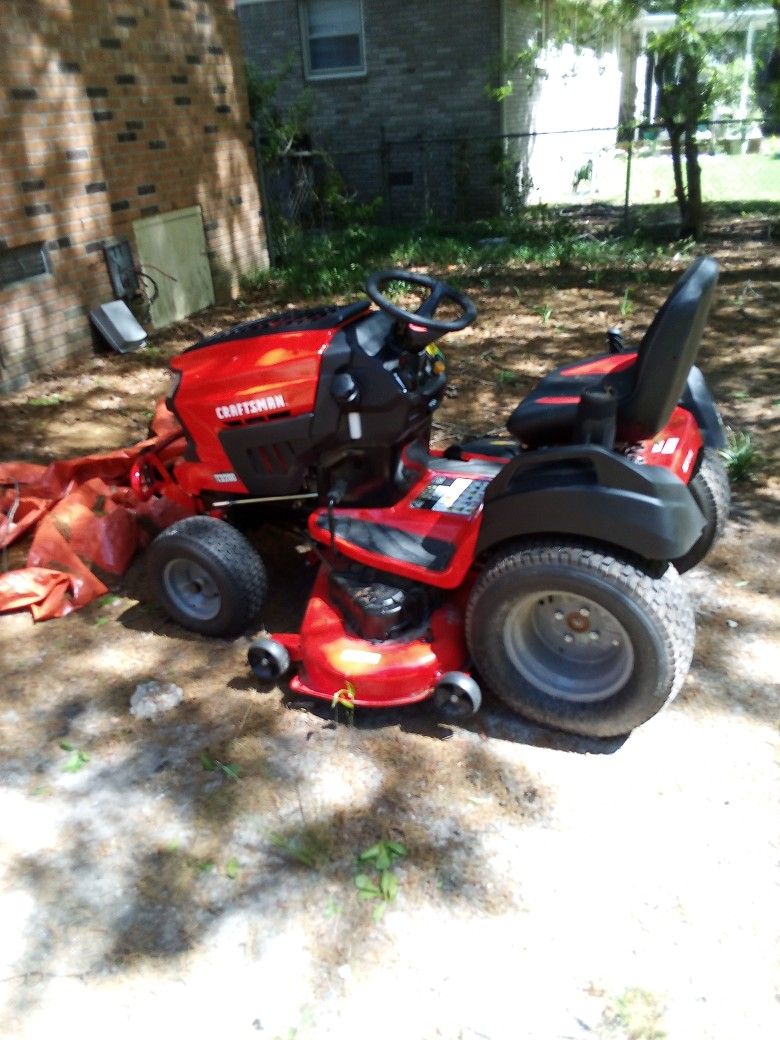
column 268, row 659
column 457, row 696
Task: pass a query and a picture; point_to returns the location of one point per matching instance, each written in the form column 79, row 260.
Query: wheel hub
column 192, row 589
column 578, row 620
column 568, row 646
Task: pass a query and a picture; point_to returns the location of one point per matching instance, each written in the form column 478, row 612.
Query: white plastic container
column 116, row 324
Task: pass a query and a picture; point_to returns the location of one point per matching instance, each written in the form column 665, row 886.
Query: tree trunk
column 664, row 77
column 675, row 140
column 773, row 74
column 695, row 221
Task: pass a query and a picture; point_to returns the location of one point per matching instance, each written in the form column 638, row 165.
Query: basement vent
column 23, row 263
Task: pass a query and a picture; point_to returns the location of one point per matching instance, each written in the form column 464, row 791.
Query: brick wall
column 427, row 68
column 111, row 110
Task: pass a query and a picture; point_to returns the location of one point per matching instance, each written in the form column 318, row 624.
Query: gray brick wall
column 427, row 67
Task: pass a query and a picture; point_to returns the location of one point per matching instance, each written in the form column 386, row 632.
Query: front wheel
column 207, row 576
column 579, row 639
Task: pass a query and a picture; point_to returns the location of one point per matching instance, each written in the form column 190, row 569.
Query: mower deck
column 382, row 674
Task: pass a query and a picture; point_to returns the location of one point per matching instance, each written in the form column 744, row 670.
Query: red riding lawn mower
column 546, row 563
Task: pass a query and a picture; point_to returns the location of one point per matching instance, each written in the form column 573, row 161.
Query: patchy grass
column 336, row 262
column 741, row 456
column 635, row 1014
column 46, row 401
column 316, row 264
column 310, row 845
column 625, row 306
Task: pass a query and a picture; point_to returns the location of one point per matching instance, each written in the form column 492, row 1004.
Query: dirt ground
column 196, row 874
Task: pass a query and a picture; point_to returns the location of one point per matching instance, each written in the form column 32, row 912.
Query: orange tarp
column 81, row 512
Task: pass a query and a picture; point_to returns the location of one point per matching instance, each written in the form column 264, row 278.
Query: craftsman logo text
column 257, row 406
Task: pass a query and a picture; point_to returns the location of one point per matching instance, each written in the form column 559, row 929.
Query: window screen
column 333, row 31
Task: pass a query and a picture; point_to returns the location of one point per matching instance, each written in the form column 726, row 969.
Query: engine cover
column 377, row 610
column 246, row 400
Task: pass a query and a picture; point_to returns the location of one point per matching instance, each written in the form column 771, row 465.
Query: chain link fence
column 467, row 178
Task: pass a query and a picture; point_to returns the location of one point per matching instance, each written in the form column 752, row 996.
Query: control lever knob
column 344, row 389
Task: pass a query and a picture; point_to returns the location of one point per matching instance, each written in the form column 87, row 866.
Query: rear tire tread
column 712, row 492
column 662, row 594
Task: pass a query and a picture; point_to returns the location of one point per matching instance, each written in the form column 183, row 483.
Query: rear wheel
column 579, row 639
column 712, row 494
column 207, row 576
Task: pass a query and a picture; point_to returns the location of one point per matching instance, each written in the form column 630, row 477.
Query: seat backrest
column 667, row 353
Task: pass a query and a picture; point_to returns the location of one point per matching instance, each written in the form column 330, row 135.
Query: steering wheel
column 424, row 316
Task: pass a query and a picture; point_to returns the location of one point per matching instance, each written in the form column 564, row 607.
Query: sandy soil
column 551, row 887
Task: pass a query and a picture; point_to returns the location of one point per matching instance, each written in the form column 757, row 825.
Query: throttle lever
column 335, row 495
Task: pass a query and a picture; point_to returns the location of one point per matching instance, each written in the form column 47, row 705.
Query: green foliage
column 332, row 909
column 310, row 846
column 582, row 23
column 382, row 883
column 512, row 178
column 344, row 697
column 282, row 117
column 520, row 69
column 741, row 456
column 319, row 265
column 77, row 759
column 232, row 772
column 691, row 83
column 150, row 355
column 340, row 206
column 383, row 854
column 47, row 401
column 728, row 77
column 504, row 378
column 633, row 1015
column 544, row 311
column 626, row 305
column 281, row 128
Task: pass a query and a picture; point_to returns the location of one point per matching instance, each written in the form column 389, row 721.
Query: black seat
column 646, row 384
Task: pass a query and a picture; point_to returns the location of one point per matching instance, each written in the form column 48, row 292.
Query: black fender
column 698, row 400
column 590, row 492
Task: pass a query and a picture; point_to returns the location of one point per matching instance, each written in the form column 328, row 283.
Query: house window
column 333, row 38
column 23, row 263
